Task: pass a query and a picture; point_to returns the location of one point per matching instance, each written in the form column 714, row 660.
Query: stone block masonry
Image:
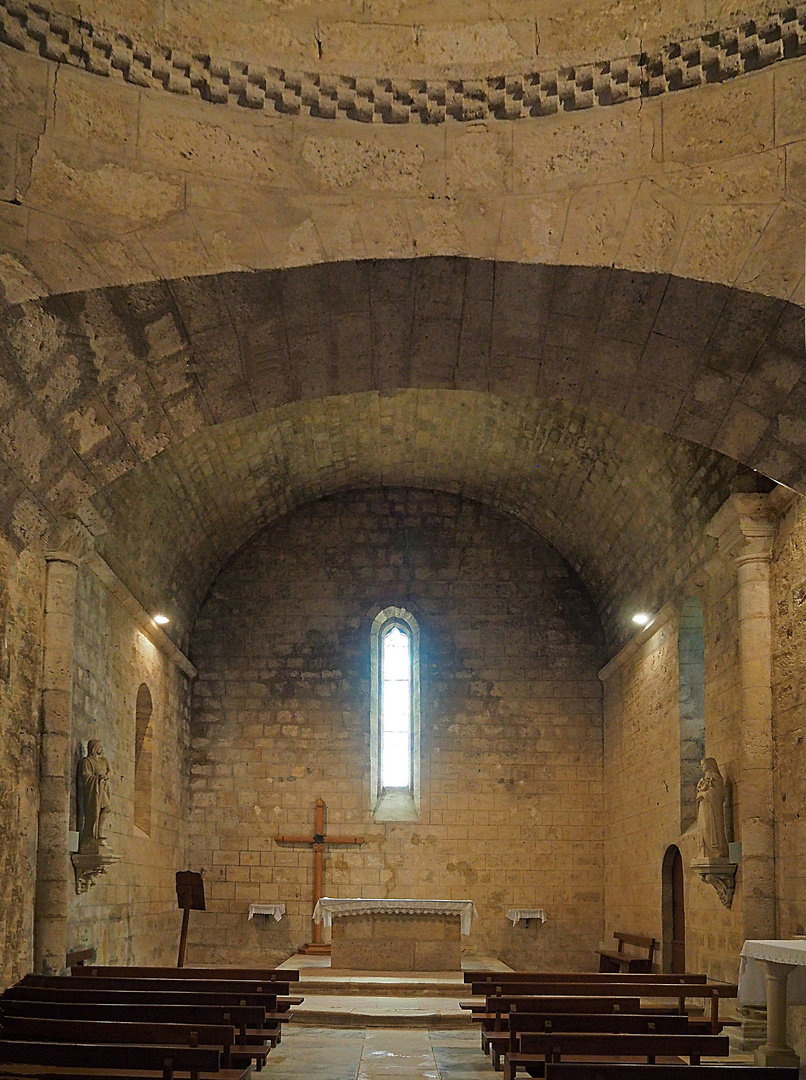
column 510, row 715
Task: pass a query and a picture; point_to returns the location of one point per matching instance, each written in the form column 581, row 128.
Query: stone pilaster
column 745, row 527
column 54, row 873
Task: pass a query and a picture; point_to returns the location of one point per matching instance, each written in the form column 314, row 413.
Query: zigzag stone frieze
column 710, row 58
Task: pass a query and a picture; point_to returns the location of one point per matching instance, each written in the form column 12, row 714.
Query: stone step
column 385, row 1012
column 384, row 986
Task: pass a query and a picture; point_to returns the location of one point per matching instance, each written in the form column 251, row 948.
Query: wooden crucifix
column 317, row 842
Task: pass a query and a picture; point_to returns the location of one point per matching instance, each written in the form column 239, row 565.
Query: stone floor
column 384, row 1026
column 355, row 1054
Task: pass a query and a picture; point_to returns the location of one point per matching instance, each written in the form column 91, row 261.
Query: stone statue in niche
column 95, row 789
column 711, row 840
column 712, row 862
column 93, row 856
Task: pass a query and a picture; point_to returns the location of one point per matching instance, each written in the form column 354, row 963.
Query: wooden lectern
column 189, row 896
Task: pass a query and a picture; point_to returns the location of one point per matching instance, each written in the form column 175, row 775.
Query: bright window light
column 642, row 619
column 161, row 620
column 395, row 708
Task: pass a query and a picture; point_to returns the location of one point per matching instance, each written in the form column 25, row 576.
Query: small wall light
column 161, row 620
column 642, row 619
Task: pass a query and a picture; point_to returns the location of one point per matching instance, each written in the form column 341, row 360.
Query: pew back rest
column 189, row 1059
column 261, row 975
column 627, row 1023
column 236, row 1015
column 585, row 1070
column 102, row 1031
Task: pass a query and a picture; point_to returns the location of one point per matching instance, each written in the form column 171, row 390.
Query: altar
column 395, row 935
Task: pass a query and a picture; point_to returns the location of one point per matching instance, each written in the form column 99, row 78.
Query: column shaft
column 53, row 863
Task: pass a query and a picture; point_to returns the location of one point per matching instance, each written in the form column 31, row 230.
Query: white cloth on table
column 277, row 910
column 753, row 977
column 329, row 908
column 515, row 914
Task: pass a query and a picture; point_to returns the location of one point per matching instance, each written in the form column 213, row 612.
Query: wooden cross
column 317, row 842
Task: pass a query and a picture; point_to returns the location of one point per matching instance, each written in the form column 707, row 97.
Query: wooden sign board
column 190, row 890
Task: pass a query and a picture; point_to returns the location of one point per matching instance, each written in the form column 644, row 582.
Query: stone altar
column 395, row 935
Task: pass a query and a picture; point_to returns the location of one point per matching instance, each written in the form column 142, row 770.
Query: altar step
column 388, row 999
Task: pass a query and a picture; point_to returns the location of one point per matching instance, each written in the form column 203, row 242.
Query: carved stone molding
column 721, row 874
column 708, row 58
column 89, row 867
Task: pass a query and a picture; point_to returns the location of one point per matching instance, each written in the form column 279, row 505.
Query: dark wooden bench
column 251, row 1019
column 103, row 995
column 77, row 958
column 625, row 1023
column 156, row 986
column 540, row 1047
column 711, row 992
column 586, row 1070
column 618, row 960
column 134, row 1033
column 228, row 974
column 199, row 1063
column 500, row 977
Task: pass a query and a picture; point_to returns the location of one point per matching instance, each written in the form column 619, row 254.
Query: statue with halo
column 712, row 862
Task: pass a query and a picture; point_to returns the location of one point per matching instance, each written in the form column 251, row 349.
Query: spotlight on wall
column 642, row 619
column 161, row 620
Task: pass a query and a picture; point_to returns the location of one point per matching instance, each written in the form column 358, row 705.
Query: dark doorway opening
column 674, row 912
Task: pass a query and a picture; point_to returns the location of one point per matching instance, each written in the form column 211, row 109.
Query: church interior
column 474, row 330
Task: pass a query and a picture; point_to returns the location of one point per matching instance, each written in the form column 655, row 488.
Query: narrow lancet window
column 395, row 716
column 396, row 708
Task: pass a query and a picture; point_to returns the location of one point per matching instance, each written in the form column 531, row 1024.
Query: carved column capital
column 744, row 527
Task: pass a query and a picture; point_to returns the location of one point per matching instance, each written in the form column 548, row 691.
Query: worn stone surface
column 102, row 380
column 510, row 714
column 21, row 603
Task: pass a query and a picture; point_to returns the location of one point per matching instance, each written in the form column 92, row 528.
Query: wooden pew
column 158, row 986
column 618, row 960
column 247, row 1019
column 199, row 1063
column 135, row 997
column 539, row 1047
column 628, row 1023
column 711, row 992
column 217, row 1036
column 579, row 976
column 594, row 1070
column 250, row 974
column 495, row 1019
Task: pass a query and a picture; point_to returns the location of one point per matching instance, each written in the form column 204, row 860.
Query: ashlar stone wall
column 511, row 726
column 21, row 605
column 789, row 703
column 130, row 916
column 642, row 780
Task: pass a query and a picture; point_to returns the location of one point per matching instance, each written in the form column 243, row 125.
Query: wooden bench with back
column 619, row 960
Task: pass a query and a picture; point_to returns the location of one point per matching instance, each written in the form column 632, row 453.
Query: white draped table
column 395, row 935
column 276, row 911
column 764, row 969
column 515, row 914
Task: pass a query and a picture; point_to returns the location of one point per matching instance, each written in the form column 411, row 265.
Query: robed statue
column 712, row 842
column 94, row 773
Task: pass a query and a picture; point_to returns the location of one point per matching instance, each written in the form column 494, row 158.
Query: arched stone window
column 691, row 656
column 395, row 715
column 144, row 709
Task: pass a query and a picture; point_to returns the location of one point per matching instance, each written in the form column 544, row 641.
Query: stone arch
column 691, row 699
column 143, row 759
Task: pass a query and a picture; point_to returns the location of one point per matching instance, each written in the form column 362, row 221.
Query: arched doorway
column 674, row 912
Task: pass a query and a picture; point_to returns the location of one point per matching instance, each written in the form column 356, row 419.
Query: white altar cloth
column 753, row 977
column 515, row 914
column 277, row 910
column 329, row 908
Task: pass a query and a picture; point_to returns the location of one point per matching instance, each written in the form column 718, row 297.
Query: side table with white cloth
column 515, row 914
column 773, row 973
column 275, row 911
